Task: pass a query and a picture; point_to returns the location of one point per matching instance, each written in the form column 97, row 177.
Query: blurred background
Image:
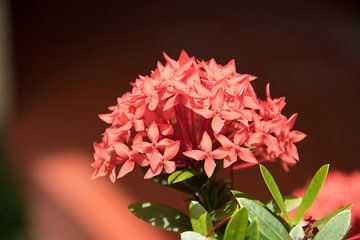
column 63, row 62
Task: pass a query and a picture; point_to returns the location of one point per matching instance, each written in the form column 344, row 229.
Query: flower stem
column 219, row 224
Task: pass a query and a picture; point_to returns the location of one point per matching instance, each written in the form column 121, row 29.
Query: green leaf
column 291, row 203
column 326, row 218
column 253, row 231
column 179, row 176
column 238, row 194
column 269, row 226
column 236, row 228
column 311, row 192
column 274, row 190
column 194, row 236
column 297, row 232
column 336, row 228
column 199, row 218
column 161, row 216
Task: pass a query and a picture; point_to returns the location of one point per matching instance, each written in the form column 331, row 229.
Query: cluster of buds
column 188, row 111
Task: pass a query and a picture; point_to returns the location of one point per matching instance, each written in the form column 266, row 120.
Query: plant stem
column 219, row 224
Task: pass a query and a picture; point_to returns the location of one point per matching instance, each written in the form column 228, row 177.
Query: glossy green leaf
column 311, row 192
column 189, row 235
column 180, row 175
column 326, row 218
column 291, row 203
column 297, row 232
column 274, row 190
column 269, row 226
column 252, row 232
column 237, row 226
column 336, row 228
column 161, row 216
column 199, row 218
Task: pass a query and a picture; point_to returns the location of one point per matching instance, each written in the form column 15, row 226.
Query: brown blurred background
column 71, row 59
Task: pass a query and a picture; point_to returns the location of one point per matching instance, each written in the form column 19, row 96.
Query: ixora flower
column 189, row 111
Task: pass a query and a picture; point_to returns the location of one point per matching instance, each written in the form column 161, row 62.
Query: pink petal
column 224, row 141
column 226, row 115
column 153, row 132
column 166, row 129
column 139, row 125
column 137, row 138
column 169, row 166
column 195, row 154
column 220, row 153
column 153, row 103
column 291, row 121
column 257, row 122
column 141, row 160
column 171, row 102
column 250, row 102
column 218, row 101
column 292, row 150
column 296, row 136
column 183, row 58
column 108, row 117
column 171, row 150
column 127, row 167
column 229, row 160
column 206, row 113
column 272, row 143
column 256, row 138
column 139, row 112
column 154, row 159
column 240, row 138
column 268, row 97
column 246, row 155
column 209, row 166
column 217, row 124
column 148, row 87
column 125, row 127
column 164, row 143
column 206, row 143
column 121, row 150
column 143, row 147
column 152, row 173
column 203, row 91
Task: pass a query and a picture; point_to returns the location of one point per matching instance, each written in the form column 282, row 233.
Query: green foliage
column 274, row 190
column 270, row 227
column 254, row 220
column 180, row 175
column 291, row 203
column 189, row 235
column 311, row 192
column 297, row 232
column 161, row 216
column 200, row 218
column 252, row 232
column 326, row 218
column 336, row 228
column 236, row 228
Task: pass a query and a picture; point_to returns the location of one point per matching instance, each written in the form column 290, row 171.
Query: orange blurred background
column 71, row 59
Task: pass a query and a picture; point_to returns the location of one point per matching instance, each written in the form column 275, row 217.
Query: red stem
column 355, row 237
column 219, row 224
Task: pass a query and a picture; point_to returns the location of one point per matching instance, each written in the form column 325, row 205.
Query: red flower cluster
column 190, row 110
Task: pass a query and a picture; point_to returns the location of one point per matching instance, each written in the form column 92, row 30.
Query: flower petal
column 195, row 154
column 296, row 136
column 246, row 155
column 143, row 147
column 217, row 124
column 171, row 150
column 206, row 113
column 220, row 153
column 152, row 173
column 224, row 141
column 218, row 101
column 209, row 166
column 153, row 132
column 121, row 150
column 169, row 166
column 206, row 143
column 127, row 167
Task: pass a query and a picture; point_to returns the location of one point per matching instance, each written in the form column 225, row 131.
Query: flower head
column 188, row 111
